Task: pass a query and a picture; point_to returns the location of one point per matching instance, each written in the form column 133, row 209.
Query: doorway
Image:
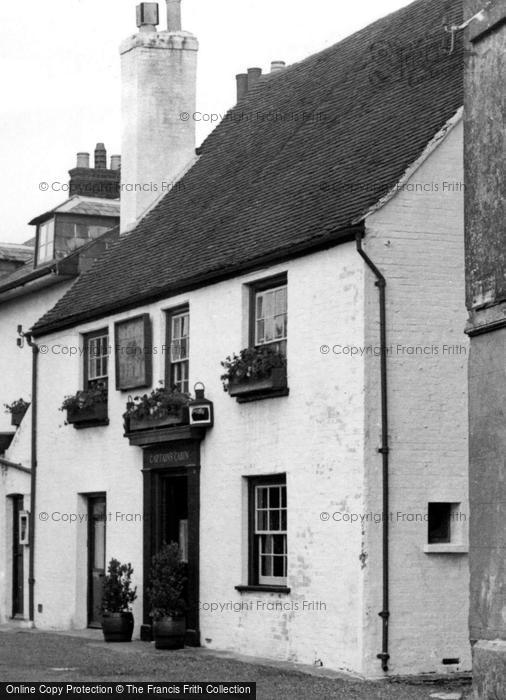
column 171, row 503
column 96, row 557
column 18, row 588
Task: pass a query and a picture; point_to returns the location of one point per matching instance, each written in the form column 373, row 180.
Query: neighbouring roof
column 14, row 252
column 91, row 206
column 62, row 269
column 267, row 187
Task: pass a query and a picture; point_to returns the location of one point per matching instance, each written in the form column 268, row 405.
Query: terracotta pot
column 169, row 632
column 118, row 627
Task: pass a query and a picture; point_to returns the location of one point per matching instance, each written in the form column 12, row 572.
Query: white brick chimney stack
column 159, row 78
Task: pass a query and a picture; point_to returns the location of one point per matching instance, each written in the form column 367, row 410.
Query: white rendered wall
column 315, row 436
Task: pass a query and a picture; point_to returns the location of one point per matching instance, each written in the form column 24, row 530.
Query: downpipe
column 33, row 476
column 384, row 450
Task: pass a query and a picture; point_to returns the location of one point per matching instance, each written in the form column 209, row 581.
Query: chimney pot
column 83, row 160
column 277, row 66
column 147, row 16
column 254, row 75
column 242, row 85
column 174, row 15
column 115, row 162
column 100, row 157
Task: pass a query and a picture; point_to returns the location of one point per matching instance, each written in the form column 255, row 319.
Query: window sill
column 263, row 589
column 446, row 549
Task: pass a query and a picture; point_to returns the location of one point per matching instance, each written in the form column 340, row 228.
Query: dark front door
column 96, row 558
column 17, row 560
column 172, row 504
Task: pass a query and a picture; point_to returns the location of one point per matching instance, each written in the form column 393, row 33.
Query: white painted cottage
column 323, row 515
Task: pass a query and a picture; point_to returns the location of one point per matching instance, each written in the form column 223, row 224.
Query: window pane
column 283, row 496
column 266, row 566
column 278, row 566
column 280, row 303
column 279, row 544
column 261, row 497
column 283, row 520
column 274, row 520
column 262, row 523
column 274, row 497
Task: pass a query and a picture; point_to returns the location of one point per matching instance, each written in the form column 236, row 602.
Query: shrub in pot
column 165, row 592
column 118, row 596
column 17, row 409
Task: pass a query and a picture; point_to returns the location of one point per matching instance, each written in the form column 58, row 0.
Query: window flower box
column 276, row 380
column 255, row 373
column 17, row 409
column 160, row 409
column 150, row 422
column 87, row 408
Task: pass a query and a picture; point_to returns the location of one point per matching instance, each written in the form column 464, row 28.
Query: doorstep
column 16, row 625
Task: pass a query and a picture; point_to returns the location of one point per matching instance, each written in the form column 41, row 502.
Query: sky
column 60, row 74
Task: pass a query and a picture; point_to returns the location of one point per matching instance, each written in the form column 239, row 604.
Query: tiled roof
column 271, row 181
column 77, row 204
column 15, row 253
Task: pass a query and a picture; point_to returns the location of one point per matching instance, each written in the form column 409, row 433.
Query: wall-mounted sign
column 134, row 349
column 24, row 527
column 184, row 453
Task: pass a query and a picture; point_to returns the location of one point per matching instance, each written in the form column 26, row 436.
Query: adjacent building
column 68, row 239
column 485, row 110
column 324, row 514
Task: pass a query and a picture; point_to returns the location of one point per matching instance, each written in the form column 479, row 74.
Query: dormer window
column 45, row 242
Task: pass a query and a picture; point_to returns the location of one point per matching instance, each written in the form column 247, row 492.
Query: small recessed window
column 440, row 518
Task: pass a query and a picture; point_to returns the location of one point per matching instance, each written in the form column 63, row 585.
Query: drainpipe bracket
column 385, row 615
column 384, row 450
column 381, row 283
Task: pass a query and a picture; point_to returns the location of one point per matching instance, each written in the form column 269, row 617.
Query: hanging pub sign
column 133, row 349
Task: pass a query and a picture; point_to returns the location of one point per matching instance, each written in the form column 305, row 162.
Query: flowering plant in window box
column 253, row 371
column 163, row 407
column 17, row 409
column 85, row 407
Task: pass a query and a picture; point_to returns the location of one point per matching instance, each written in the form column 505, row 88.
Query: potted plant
column 87, row 407
column 167, row 580
column 163, row 407
column 17, row 409
column 118, row 596
column 255, row 370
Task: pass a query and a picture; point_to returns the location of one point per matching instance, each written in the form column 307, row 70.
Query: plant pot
column 147, row 423
column 169, row 632
column 89, row 414
column 118, row 627
column 275, row 381
column 17, row 416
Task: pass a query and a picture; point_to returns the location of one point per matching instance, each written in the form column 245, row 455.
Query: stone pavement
column 32, row 655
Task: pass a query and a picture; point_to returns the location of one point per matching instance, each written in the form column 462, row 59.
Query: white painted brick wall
column 417, row 240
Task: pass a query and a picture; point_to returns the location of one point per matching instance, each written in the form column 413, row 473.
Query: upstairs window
column 96, row 365
column 178, row 342
column 45, row 242
column 270, row 317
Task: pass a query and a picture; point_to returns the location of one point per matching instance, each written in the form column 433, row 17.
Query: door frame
column 17, row 553
column 153, row 535
column 90, row 497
